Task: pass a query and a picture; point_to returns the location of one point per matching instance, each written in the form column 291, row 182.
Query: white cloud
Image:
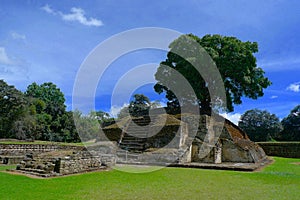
column 48, row 9
column 12, row 69
column 295, row 87
column 279, row 65
column 274, row 97
column 234, row 118
column 114, row 110
column 18, row 36
column 4, row 59
column 76, row 14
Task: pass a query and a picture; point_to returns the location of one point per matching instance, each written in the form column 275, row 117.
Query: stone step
column 128, row 154
column 135, row 137
column 137, row 128
column 133, row 134
column 131, row 145
column 132, row 148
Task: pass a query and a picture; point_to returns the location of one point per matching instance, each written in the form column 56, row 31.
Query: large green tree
column 13, row 106
column 291, row 125
column 260, row 125
column 54, row 122
column 51, row 95
column 234, row 59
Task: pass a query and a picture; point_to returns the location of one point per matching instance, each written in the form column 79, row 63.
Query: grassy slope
column 278, row 181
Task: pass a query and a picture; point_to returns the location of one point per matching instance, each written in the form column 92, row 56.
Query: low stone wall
column 281, row 149
column 23, row 149
column 63, row 162
column 80, row 162
column 10, row 160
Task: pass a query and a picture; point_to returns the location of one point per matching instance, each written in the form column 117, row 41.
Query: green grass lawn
column 280, row 180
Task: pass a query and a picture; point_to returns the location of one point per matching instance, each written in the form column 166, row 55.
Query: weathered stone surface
column 229, row 144
column 23, row 149
column 233, row 153
column 182, row 139
column 100, row 156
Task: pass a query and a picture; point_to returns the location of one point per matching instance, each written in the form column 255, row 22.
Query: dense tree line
column 261, row 125
column 40, row 114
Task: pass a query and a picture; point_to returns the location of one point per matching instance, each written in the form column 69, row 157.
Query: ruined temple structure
column 185, row 139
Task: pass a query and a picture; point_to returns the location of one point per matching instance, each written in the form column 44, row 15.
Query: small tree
column 260, row 125
column 139, row 106
column 291, row 125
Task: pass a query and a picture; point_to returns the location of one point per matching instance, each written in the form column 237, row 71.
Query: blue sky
column 43, row 41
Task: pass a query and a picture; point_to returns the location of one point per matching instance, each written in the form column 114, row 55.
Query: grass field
column 281, row 180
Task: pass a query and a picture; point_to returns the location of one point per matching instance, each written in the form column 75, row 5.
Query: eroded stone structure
column 162, row 139
column 185, row 138
column 228, row 145
column 64, row 160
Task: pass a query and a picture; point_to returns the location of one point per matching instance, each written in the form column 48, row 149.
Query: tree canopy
column 291, row 125
column 51, row 95
column 260, row 125
column 234, row 59
column 13, row 107
column 139, row 106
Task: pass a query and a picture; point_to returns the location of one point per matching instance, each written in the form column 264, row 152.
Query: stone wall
column 168, row 135
column 23, row 149
column 47, row 165
column 216, row 142
column 10, row 160
column 81, row 162
column 62, row 162
column 281, row 149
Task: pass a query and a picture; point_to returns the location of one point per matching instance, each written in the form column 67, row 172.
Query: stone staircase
column 135, row 135
column 133, row 140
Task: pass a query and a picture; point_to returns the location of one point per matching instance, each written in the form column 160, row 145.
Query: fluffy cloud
column 13, row 70
column 76, row 14
column 48, row 9
column 234, row 118
column 114, row 110
column 17, row 36
column 4, row 59
column 295, row 87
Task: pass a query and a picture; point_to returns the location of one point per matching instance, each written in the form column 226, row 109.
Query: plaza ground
column 280, row 180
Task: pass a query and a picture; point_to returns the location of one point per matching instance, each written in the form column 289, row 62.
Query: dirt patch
column 268, row 161
column 14, row 172
column 22, row 174
column 296, row 163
